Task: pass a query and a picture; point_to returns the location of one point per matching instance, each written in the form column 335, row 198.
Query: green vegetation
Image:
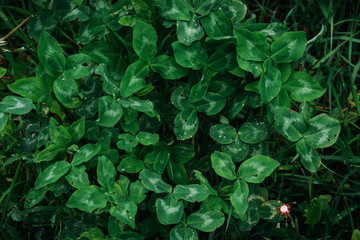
column 179, row 119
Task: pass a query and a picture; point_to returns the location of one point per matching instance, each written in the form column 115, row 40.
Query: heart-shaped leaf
column 183, row 232
column 191, row 193
column 168, row 68
column 289, row 47
column 77, row 177
column 253, row 132
column 124, row 211
column 206, row 221
column 169, row 210
column 257, row 168
column 51, row 174
column 144, row 41
column 106, row 174
column 308, row 155
column 110, row 112
column 16, row 105
column 189, row 31
column 85, row 153
column 270, row 82
column 223, row 165
column 223, row 133
column 239, row 198
column 50, row 53
column 193, row 56
column 87, row 199
column 134, row 78
column 186, row 124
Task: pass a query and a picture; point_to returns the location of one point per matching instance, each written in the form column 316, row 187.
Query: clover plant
column 158, row 118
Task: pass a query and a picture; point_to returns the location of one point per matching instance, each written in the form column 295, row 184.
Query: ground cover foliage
column 181, row 119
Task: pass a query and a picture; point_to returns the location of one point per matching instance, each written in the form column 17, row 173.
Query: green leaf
column 312, row 213
column 77, row 130
column 44, row 21
column 183, row 232
column 205, row 183
column 134, row 78
column 355, row 235
column 270, row 82
column 189, row 31
column 216, row 24
column 50, row 53
column 253, row 132
column 289, row 47
column 146, row 138
column 27, row 87
column 211, row 104
column 130, row 164
column 323, row 131
column 289, row 123
column 160, row 159
column 204, row 7
column 3, row 120
column 251, row 46
column 85, row 153
column 137, row 192
column 127, row 142
column 51, row 174
column 199, row 90
column 87, row 199
column 206, row 221
column 110, row 84
column 77, row 177
column 168, row 68
column 193, row 56
column 144, row 41
column 308, row 155
column 186, row 124
column 110, row 112
column 257, row 168
column 145, row 106
column 174, row 10
column 16, row 105
column 66, row 90
column 235, row 10
column 125, row 211
column 93, row 234
column 223, row 133
column 153, row 182
column 75, row 65
column 179, row 98
column 250, row 66
column 238, row 104
column 303, row 87
column 59, row 134
column 169, row 210
column 191, row 193
column 106, row 174
column 239, row 198
column 223, row 165
column 270, row 211
column 237, row 150
column 49, row 153
column 34, row 197
column 223, row 59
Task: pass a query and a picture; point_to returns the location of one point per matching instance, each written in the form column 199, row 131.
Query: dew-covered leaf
column 189, row 31
column 144, row 41
column 134, row 78
column 66, row 90
column 206, row 221
column 153, row 182
column 51, row 174
column 270, row 82
column 16, row 105
column 251, row 46
column 106, row 174
column 183, row 232
column 76, row 65
column 289, row 47
column 303, row 87
column 169, row 210
column 191, row 193
column 50, row 53
column 323, row 131
column 186, row 124
column 193, row 56
column 239, row 198
column 168, row 68
column 223, row 133
column 235, row 10
column 130, row 164
column 85, row 153
column 146, row 138
column 223, row 165
column 216, row 24
column 237, row 150
column 253, row 132
column 124, row 211
column 179, row 98
column 110, row 112
column 77, row 177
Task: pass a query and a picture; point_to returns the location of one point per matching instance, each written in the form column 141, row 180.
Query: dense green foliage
column 179, row 119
